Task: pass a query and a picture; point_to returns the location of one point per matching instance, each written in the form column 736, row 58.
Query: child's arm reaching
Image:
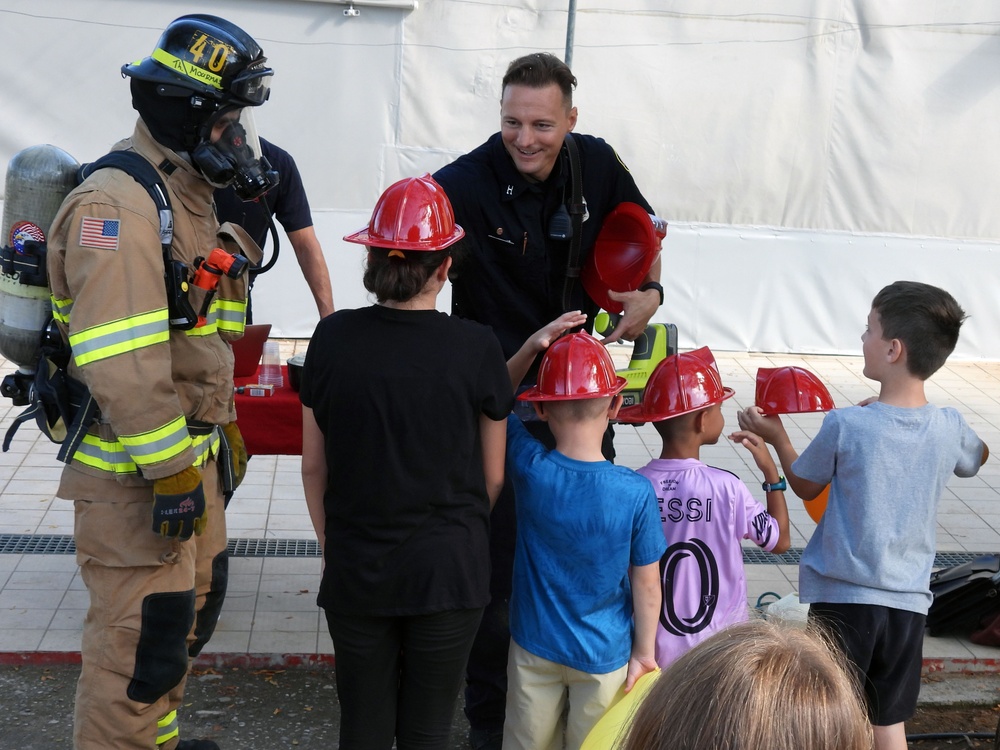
column 776, row 507
column 539, row 341
column 646, row 600
column 773, row 431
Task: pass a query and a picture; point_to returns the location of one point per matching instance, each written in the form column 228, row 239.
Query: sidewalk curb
column 944, row 682
column 220, row 660
column 932, row 666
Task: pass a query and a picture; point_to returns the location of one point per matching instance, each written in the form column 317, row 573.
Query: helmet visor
column 252, row 86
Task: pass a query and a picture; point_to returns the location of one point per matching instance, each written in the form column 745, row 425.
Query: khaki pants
column 154, row 603
column 538, row 691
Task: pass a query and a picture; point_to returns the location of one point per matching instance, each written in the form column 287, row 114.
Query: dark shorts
column 885, row 645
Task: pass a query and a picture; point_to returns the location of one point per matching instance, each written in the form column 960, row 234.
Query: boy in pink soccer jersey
column 705, row 511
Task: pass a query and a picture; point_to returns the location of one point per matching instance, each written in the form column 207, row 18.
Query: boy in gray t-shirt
column 866, row 570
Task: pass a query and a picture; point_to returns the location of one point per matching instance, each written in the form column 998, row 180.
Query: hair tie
column 397, row 254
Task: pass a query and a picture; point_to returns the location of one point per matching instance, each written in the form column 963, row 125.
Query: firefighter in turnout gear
column 148, row 478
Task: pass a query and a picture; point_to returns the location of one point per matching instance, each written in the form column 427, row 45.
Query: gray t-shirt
column 887, row 467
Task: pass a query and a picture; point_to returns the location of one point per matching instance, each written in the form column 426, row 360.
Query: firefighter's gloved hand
column 179, row 505
column 238, row 451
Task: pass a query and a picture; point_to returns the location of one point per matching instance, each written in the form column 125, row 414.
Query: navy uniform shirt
column 510, row 274
column 286, row 201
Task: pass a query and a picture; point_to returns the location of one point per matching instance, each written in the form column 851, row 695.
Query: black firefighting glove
column 237, row 452
column 179, row 505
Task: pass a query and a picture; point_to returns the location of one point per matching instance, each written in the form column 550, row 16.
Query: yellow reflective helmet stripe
column 187, row 69
column 167, row 728
column 120, row 336
column 158, row 445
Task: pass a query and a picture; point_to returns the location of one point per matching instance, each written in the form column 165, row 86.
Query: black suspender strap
column 577, row 208
column 182, row 314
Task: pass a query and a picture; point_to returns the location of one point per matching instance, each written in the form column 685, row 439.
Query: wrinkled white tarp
column 806, row 153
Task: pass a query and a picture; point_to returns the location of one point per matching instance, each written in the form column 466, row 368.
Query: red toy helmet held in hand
column 790, row 390
column 626, row 248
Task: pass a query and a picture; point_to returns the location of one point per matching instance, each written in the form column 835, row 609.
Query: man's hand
column 179, row 505
column 238, row 451
column 639, row 309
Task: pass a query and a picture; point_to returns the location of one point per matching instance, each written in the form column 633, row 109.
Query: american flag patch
column 102, row 233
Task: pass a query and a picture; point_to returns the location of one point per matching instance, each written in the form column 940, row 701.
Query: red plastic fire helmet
column 626, row 248
column 680, row 384
column 790, row 390
column 412, row 214
column 576, row 366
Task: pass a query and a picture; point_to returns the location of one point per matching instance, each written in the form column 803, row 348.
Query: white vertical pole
column 570, row 29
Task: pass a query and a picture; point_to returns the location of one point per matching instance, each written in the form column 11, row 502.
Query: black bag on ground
column 963, row 595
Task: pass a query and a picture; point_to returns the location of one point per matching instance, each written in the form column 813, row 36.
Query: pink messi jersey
column 705, row 512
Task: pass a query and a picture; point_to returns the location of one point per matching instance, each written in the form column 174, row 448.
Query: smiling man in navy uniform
column 514, row 197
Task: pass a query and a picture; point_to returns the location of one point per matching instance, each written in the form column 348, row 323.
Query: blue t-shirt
column 887, row 467
column 580, row 525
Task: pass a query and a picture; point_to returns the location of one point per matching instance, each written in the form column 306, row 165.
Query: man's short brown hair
column 538, row 70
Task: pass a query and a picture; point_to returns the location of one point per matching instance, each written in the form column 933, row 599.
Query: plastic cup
column 270, row 366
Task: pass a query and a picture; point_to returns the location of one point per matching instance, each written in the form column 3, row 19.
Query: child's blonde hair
column 755, row 686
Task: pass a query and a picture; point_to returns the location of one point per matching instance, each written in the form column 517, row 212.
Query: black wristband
column 653, row 285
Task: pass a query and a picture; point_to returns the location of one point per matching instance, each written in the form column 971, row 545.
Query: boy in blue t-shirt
column 866, row 570
column 586, row 590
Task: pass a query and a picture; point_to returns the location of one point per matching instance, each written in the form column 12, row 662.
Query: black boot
column 197, row 745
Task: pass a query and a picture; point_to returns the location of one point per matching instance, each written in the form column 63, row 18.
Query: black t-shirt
column 398, row 395
column 287, row 201
column 511, row 274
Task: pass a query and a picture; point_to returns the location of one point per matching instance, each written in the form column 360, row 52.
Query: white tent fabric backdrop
column 805, row 153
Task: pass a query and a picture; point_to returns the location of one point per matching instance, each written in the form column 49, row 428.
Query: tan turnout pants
column 154, row 602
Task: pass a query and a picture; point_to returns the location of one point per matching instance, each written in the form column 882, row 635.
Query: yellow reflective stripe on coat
column 232, row 315
column 158, row 445
column 120, row 336
column 211, row 323
column 167, row 728
column 206, row 446
column 111, row 456
column 105, row 455
column 61, row 309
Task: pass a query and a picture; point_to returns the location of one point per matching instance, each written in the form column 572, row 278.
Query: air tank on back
column 38, row 180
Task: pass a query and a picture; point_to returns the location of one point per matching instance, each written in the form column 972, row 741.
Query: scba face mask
column 234, row 157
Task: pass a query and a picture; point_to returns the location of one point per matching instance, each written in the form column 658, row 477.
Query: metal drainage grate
column 274, row 548
column 757, row 556
column 37, row 544
column 62, row 544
